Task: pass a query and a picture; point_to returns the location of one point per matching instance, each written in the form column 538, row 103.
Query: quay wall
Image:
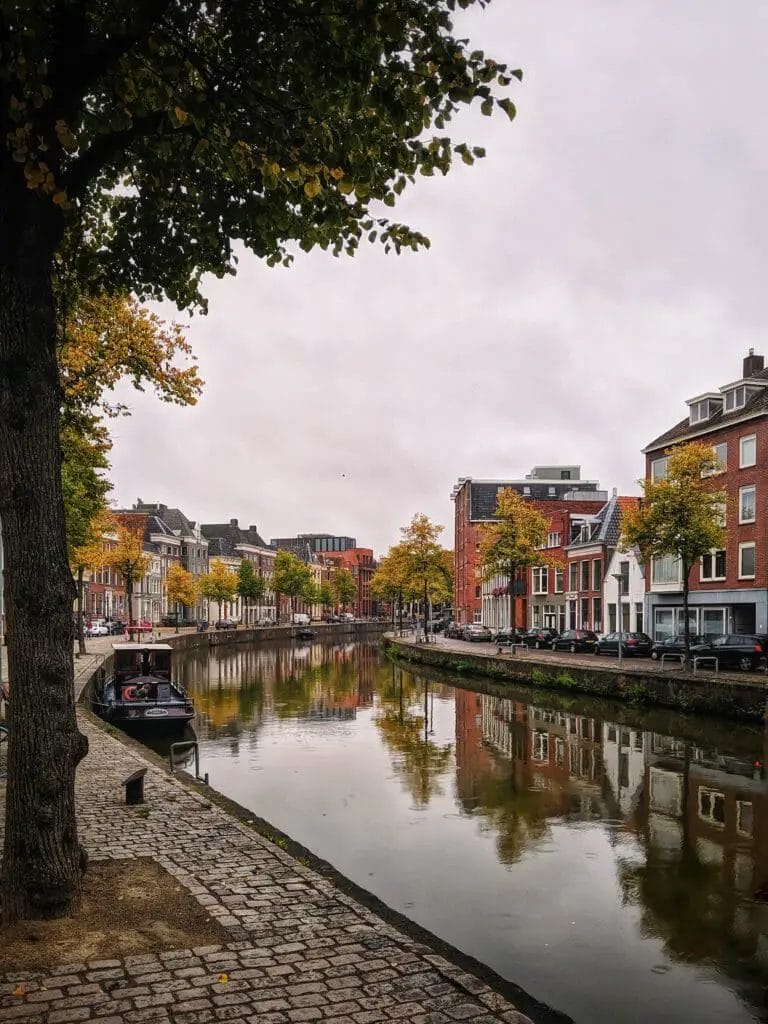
column 724, row 697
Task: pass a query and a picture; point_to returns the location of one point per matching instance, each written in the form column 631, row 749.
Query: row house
column 230, row 543
column 193, row 550
column 729, row 587
column 361, row 563
column 326, row 550
column 163, row 549
column 104, row 596
column 605, row 586
column 558, row 491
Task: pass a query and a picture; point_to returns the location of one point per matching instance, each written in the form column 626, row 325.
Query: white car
column 97, row 629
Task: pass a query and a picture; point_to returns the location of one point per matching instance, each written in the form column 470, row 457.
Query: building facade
column 729, row 587
column 232, row 543
column 193, row 550
column 163, row 548
column 361, row 563
column 558, row 491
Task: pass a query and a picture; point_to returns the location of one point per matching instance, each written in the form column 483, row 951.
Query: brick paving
column 301, row 949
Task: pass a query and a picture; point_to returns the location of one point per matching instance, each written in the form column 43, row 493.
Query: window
column 711, row 806
column 638, row 616
column 536, row 615
column 585, row 575
column 659, row 469
column 746, row 561
column 744, row 817
column 611, row 618
column 713, row 621
column 553, row 540
column 747, row 504
column 585, row 612
column 699, row 410
column 540, row 746
column 663, row 623
column 477, row 616
column 540, row 580
column 713, row 566
column 735, row 398
column 573, row 576
column 597, row 614
column 597, row 574
column 747, row 451
column 478, row 591
column 665, row 569
column 559, row 581
column 550, row 616
column 526, row 492
column 551, row 491
column 624, row 573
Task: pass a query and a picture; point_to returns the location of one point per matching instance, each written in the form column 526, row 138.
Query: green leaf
column 486, row 107
column 508, row 107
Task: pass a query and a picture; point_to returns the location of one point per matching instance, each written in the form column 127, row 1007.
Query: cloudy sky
column 605, row 262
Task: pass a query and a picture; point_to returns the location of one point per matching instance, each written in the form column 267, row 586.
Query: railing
column 700, row 659
column 675, row 656
column 194, row 746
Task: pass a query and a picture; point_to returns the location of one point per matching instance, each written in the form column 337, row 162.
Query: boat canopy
column 134, row 660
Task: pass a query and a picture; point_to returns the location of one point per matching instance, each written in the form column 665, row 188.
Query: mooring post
column 134, row 787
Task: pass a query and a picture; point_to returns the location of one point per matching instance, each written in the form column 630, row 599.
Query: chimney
column 252, row 528
column 753, row 364
column 233, row 522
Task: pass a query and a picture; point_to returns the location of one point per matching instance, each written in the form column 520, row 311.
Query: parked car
column 436, row 625
column 507, row 635
column 475, row 632
column 116, row 628
column 675, row 645
column 745, row 651
column 574, row 640
column 346, row 617
column 142, row 626
column 332, row 617
column 539, row 638
column 453, row 631
column 633, row 645
column 171, row 619
column 97, row 629
column 301, row 619
column 225, row 624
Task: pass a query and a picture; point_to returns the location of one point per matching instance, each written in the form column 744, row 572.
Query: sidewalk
column 301, row 949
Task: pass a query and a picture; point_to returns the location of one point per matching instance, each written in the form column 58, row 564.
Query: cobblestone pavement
column 301, row 949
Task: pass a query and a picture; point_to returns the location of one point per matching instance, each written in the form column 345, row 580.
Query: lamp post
column 619, row 579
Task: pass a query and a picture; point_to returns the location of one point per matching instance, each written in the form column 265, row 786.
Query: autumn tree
column 130, row 561
column 250, row 585
column 514, row 542
column 325, row 595
column 290, row 576
column 89, row 554
column 180, row 588
column 391, row 581
column 680, row 516
column 219, row 584
column 344, row 586
column 427, row 570
column 140, row 141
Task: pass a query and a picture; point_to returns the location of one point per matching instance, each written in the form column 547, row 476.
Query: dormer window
column 700, row 411
column 736, row 398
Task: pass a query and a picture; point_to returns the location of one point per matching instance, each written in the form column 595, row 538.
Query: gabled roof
column 606, row 528
column 757, row 405
column 223, row 537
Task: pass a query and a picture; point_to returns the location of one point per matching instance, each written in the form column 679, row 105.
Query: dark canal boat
column 141, row 691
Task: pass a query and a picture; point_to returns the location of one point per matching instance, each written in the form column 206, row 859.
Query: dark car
column 225, row 624
column 540, row 638
column 574, row 640
column 745, row 651
column 633, row 645
column 507, row 636
column 475, row 632
column 454, row 631
column 674, row 645
column 116, row 628
column 171, row 619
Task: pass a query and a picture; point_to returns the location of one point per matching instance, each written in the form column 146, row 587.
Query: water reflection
column 611, row 860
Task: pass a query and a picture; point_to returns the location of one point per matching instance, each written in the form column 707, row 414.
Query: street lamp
column 619, row 580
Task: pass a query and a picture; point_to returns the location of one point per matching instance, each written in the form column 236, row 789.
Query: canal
column 612, row 861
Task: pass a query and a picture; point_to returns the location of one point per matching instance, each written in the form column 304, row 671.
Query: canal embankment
column 709, row 694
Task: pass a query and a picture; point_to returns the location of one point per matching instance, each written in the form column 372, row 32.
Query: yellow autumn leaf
column 181, row 115
column 223, row 979
column 60, row 198
column 312, row 188
column 20, row 990
column 336, row 173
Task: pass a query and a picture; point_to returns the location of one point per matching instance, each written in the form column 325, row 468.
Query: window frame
column 742, row 519
column 573, row 570
column 734, row 394
column 597, row 574
column 657, row 476
column 742, row 440
column 713, row 577
column 742, row 548
column 585, row 576
column 559, row 581
column 543, row 575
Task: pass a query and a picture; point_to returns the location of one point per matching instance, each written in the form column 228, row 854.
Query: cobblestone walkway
column 301, row 950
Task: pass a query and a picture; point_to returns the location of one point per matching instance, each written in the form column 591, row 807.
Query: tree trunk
column 512, row 599
column 80, row 637
column 43, row 862
column 686, row 623
column 178, row 612
column 426, row 628
column 129, row 599
column 400, row 610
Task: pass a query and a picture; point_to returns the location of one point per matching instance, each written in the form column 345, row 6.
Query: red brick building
column 558, row 491
column 729, row 587
column 362, row 565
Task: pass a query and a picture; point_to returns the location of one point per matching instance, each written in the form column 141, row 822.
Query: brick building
column 729, row 588
column 556, row 490
column 231, row 544
column 362, row 565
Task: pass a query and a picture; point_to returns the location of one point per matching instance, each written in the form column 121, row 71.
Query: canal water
column 611, row 861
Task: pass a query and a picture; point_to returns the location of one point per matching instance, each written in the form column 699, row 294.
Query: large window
column 611, row 618
column 584, row 612
column 639, row 616
column 746, row 561
column 663, row 623
column 597, row 614
column 553, row 540
column 659, row 469
column 711, row 806
column 747, row 451
column 665, row 570
column 747, row 504
column 713, row 566
column 585, row 575
column 713, row 621
column 624, row 571
column 559, row 580
column 720, row 457
column 597, row 573
column 540, row 580
column 573, row 577
column 699, row 410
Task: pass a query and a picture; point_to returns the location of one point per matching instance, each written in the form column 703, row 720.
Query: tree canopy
column 344, row 586
column 219, row 584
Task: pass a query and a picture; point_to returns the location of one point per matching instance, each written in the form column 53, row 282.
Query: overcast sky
column 605, row 262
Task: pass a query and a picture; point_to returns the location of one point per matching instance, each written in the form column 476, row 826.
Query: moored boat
column 141, row 691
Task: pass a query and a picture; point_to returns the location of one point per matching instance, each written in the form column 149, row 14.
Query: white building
column 632, row 572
